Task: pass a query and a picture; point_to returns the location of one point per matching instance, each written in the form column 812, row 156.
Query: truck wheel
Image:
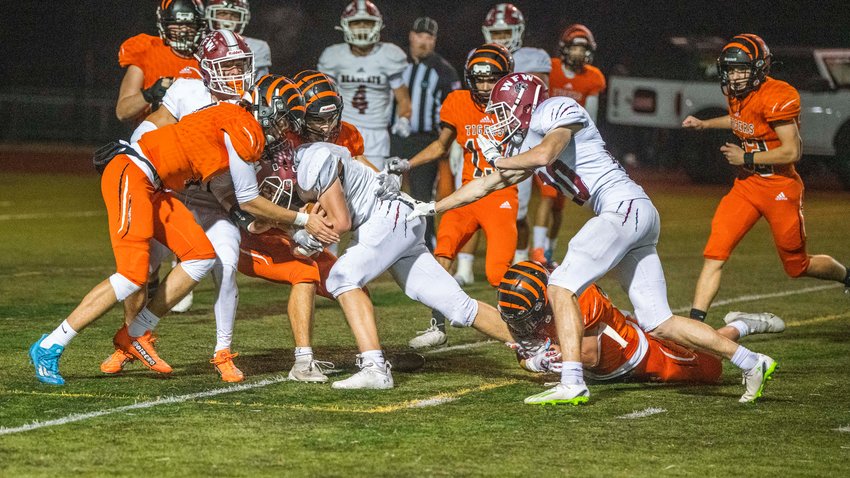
column 841, row 161
column 700, row 153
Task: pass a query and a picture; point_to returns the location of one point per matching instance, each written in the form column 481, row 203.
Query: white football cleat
column 370, row 376
column 464, row 278
column 430, row 337
column 184, row 305
column 758, row 323
column 311, row 371
column 561, row 394
column 756, row 378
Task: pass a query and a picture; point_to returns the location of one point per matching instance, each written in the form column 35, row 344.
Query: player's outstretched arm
column 721, row 122
column 478, row 188
column 543, row 154
column 438, row 149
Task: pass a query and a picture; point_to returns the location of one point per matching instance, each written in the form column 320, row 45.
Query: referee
column 430, row 78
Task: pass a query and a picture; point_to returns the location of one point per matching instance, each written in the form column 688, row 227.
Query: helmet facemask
column 227, row 17
column 361, row 35
column 577, row 54
column 323, row 127
column 183, row 38
column 512, row 41
column 231, row 75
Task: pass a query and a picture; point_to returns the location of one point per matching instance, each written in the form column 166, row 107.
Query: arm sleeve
column 143, row 128
column 242, row 173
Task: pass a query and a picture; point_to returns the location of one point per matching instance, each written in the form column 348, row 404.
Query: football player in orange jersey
column 574, row 76
column 764, row 113
column 613, row 347
column 152, row 62
column 135, row 184
column 462, row 118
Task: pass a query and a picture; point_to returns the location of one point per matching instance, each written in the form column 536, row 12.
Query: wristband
column 301, row 219
column 749, row 159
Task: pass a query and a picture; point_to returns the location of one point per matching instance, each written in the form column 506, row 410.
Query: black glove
column 154, row 94
column 241, row 218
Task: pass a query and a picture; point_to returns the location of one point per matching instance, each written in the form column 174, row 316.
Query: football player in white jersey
column 226, row 67
column 234, row 15
column 352, row 196
column 556, row 139
column 505, row 24
column 369, row 73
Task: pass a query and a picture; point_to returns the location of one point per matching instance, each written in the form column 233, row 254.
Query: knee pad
column 197, row 268
column 123, row 286
column 461, row 310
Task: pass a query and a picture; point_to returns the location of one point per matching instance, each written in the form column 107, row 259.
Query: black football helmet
column 324, row 105
column 744, row 51
column 522, row 299
column 277, row 105
column 181, row 25
column 488, row 62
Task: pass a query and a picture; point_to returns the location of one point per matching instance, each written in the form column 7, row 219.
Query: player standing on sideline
column 227, row 70
column 234, row 15
column 463, row 118
column 613, row 346
column 572, row 75
column 505, row 24
column 556, row 139
column 369, row 74
column 764, row 113
column 429, row 78
column 135, row 186
column 358, row 199
column 152, row 63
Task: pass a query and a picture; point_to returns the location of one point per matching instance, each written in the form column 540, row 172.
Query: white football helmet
column 361, row 10
column 238, row 8
column 502, row 17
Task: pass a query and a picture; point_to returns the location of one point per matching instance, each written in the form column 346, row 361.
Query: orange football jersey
column 752, row 116
column 469, row 120
column 194, row 149
column 589, row 82
column 155, row 59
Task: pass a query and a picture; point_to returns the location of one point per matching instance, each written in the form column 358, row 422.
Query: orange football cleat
column 223, row 361
column 142, row 349
column 115, row 363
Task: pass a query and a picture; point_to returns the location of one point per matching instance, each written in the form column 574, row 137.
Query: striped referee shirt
column 429, row 81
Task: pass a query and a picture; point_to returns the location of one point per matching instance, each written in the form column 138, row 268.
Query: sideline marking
column 50, row 215
column 78, row 417
column 642, row 414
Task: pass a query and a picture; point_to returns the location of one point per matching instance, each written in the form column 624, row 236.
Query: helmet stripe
column 510, row 292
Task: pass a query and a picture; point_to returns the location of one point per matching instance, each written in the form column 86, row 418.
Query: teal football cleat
column 46, row 362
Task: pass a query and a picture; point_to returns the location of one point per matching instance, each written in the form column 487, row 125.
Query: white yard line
column 50, row 215
column 844, row 429
column 472, row 345
column 642, row 414
column 432, row 402
column 78, row 417
column 770, row 295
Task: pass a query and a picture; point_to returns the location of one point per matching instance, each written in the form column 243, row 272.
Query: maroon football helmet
column 236, row 16
column 277, row 174
column 504, row 16
column 361, row 10
column 227, row 64
column 513, row 99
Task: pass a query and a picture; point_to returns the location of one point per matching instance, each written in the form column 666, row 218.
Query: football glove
column 401, row 127
column 396, row 165
column 155, row 92
column 306, row 244
column 539, row 359
column 420, row 208
column 490, row 149
column 389, row 186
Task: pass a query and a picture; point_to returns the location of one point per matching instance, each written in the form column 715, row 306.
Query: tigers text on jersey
column 155, row 59
column 752, row 116
column 578, row 86
column 468, row 120
column 531, row 60
column 320, row 164
column 584, row 171
column 365, row 82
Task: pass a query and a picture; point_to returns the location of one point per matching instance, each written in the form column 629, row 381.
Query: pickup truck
column 686, row 83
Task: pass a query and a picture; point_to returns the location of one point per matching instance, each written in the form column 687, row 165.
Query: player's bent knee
column 123, row 286
column 197, row 269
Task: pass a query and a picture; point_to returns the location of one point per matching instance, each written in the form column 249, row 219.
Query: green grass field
column 462, row 415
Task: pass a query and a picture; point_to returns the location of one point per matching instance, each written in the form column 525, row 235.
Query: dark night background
column 54, row 48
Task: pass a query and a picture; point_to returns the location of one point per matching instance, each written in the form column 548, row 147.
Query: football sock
column 303, row 353
column 539, row 237
column 61, row 336
column 143, row 322
column 226, row 301
column 464, row 263
column 741, row 327
column 744, row 358
column 571, row 373
column 521, row 255
column 376, row 356
column 697, row 314
column 440, row 320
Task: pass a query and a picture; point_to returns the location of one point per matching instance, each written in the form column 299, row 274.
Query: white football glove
column 306, row 244
column 490, row 149
column 420, row 208
column 539, row 359
column 396, row 165
column 389, row 186
column 401, row 127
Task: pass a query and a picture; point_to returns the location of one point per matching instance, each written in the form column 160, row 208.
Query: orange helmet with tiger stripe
column 278, row 106
column 747, row 51
column 577, row 35
column 489, row 62
column 522, row 298
column 324, row 105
